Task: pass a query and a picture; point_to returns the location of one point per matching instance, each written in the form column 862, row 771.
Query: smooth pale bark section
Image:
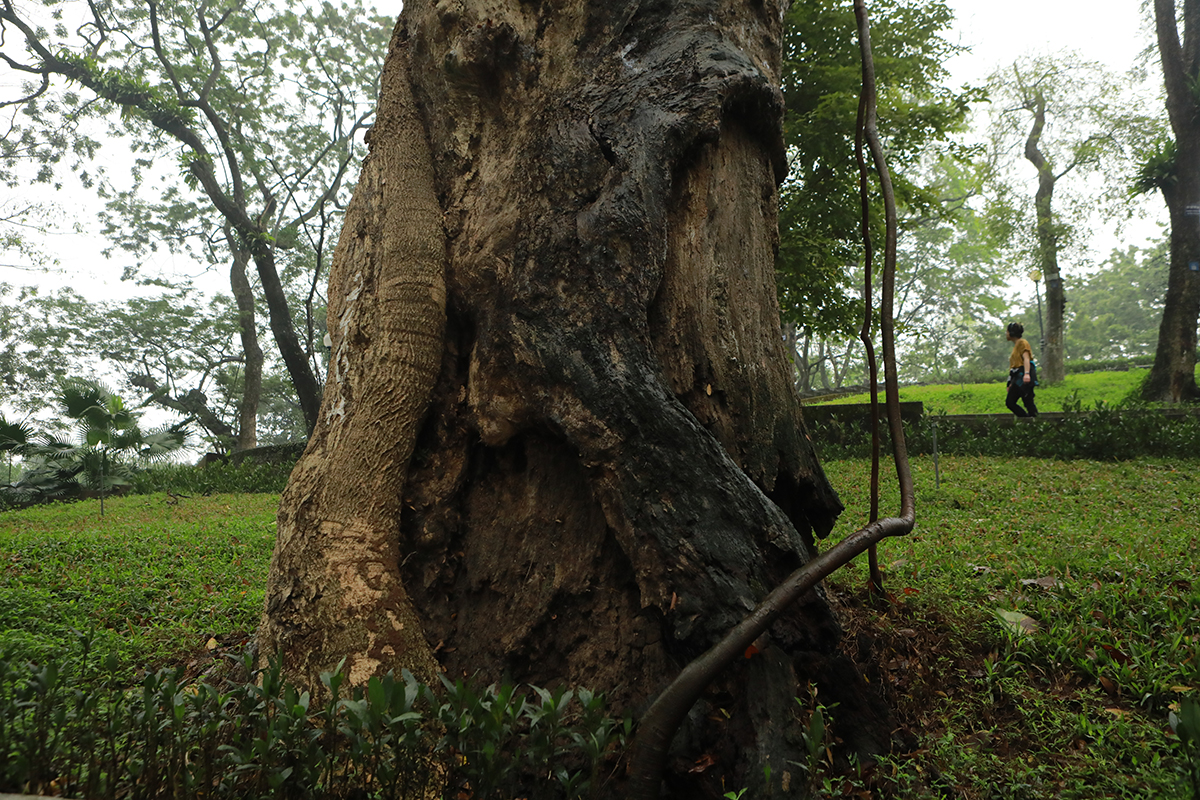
column 334, row 590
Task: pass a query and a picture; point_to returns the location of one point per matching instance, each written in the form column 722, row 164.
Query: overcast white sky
column 997, row 32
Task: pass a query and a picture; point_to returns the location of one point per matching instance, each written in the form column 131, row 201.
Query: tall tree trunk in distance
column 1052, row 368
column 797, row 352
column 295, row 356
column 243, row 295
column 1173, row 377
column 609, row 468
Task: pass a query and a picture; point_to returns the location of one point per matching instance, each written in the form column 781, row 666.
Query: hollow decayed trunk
column 611, row 469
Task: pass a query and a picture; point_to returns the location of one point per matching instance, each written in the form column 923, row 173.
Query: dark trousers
column 1023, row 392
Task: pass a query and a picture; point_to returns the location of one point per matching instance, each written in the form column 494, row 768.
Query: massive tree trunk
column 598, row 465
column 1052, row 368
column 1173, row 377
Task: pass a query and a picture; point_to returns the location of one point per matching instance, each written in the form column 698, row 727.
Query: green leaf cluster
column 820, row 208
column 110, row 437
column 71, row 725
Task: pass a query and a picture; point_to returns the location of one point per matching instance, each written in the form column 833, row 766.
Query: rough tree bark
column 1052, row 368
column 243, row 295
column 1173, row 377
column 598, row 465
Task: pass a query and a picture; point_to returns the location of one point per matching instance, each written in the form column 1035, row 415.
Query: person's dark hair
column 1016, row 330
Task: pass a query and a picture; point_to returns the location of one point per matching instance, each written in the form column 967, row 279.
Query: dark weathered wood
column 658, row 726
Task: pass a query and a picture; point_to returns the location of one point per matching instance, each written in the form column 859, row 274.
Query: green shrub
column 214, row 478
column 1106, row 433
column 72, row 728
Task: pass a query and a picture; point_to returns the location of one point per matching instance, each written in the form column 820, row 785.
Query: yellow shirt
column 1019, row 346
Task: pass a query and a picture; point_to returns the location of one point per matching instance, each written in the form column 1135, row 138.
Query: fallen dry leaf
column 1017, row 622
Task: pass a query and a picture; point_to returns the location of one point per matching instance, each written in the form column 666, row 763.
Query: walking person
column 1022, row 374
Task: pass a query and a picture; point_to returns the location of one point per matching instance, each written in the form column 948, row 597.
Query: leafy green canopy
column 1115, row 311
column 254, row 109
column 258, row 94
column 820, row 209
column 949, row 290
column 35, row 353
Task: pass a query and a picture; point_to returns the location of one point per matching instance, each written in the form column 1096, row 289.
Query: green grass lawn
column 1101, row 558
column 1086, row 389
column 152, row 578
column 1098, row 559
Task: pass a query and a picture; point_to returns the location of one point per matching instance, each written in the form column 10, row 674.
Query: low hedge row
column 1104, row 433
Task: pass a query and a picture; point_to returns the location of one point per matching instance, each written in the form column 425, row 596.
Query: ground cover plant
column 156, row 578
column 1040, row 635
column 1043, row 624
column 72, row 728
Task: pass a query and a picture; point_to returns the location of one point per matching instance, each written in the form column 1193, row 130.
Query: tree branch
column 231, row 160
column 158, row 50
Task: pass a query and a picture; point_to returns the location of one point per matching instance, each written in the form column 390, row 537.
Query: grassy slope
column 1078, row 709
column 1110, row 388
column 154, row 579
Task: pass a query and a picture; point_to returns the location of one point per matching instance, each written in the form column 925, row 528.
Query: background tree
column 820, row 215
column 558, row 395
column 21, row 222
column 1115, row 311
column 260, row 105
column 174, row 350
column 949, row 282
column 1063, row 116
column 1175, row 170
column 109, row 434
column 820, row 238
column 15, row 438
column 36, row 353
